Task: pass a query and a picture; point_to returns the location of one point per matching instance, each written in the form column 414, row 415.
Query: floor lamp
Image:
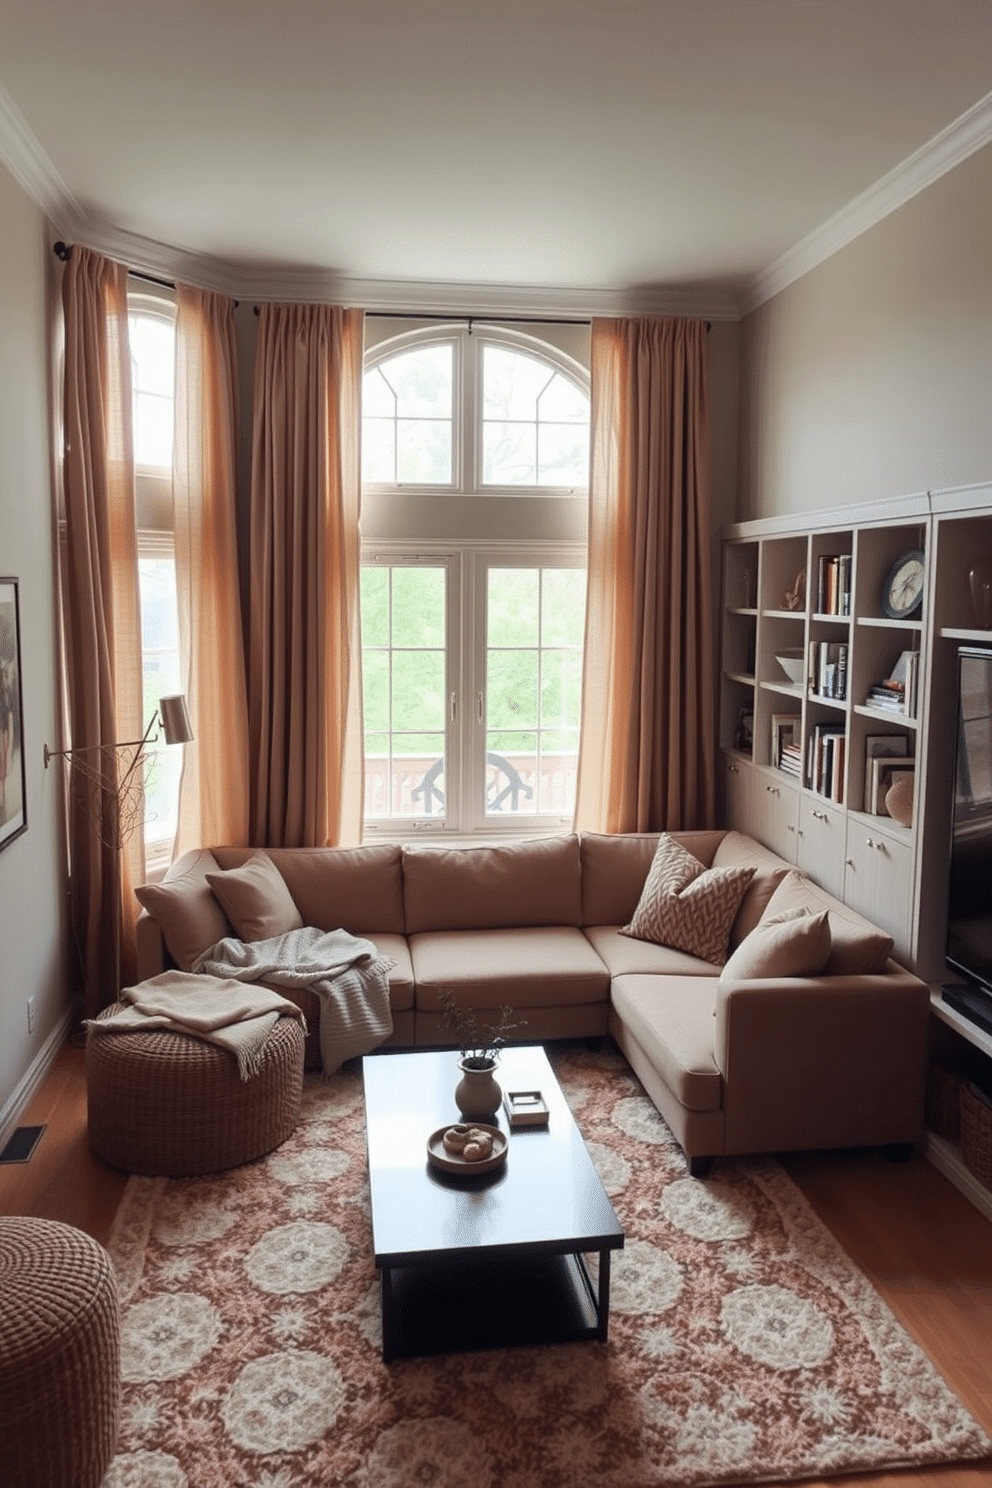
column 109, row 784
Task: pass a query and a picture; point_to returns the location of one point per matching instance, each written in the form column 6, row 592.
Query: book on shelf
column 827, row 669
column 833, row 595
column 826, row 756
column 883, row 773
column 785, row 737
column 897, row 693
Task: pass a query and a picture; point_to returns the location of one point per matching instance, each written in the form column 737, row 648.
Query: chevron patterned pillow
column 687, row 906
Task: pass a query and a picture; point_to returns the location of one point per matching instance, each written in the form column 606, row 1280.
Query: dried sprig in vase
column 477, row 1094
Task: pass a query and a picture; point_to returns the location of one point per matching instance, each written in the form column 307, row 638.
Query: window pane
column 160, row 678
column 512, row 383
column 509, row 454
column 423, row 452
column 512, row 690
column 564, row 403
column 513, row 612
column 378, row 451
column 404, row 678
column 421, row 381
column 152, row 341
column 563, row 612
column 418, row 606
column 378, row 398
column 563, row 455
column 561, row 688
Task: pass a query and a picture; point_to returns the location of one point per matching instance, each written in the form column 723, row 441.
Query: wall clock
column 902, row 592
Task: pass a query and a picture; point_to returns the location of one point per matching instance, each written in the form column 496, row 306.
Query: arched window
column 473, row 613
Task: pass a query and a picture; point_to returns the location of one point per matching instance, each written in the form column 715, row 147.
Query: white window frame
column 467, row 564
column 467, row 393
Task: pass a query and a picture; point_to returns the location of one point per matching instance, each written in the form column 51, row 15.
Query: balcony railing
column 516, row 784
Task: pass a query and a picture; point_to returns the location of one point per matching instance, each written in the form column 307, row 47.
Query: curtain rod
column 470, row 320
column 64, row 253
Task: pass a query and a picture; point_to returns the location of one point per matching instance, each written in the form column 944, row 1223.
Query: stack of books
column 827, row 669
column 833, row 594
column 897, row 692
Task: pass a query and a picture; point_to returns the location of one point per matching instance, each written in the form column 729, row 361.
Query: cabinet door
column 878, row 881
column 822, row 844
column 776, row 813
column 738, row 793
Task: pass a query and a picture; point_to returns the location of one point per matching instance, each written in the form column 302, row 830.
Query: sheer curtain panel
column 305, row 670
column 213, row 801
column 101, row 615
column 647, row 753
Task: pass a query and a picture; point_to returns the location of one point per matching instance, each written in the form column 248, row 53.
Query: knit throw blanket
column 227, row 1013
column 346, row 973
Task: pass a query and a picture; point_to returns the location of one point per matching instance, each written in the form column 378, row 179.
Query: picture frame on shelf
column 881, row 747
column 785, row 741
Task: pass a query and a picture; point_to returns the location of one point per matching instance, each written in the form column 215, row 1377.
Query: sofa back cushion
column 359, row 889
column 739, row 851
column 492, row 888
column 255, row 899
column 615, row 866
column 687, row 906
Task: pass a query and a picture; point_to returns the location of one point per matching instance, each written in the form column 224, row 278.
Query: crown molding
column 967, row 134
column 22, row 153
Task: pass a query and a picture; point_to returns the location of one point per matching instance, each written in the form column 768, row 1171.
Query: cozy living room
column 496, row 745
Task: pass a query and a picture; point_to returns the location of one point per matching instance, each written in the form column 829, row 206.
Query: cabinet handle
column 869, row 842
column 772, row 790
column 732, row 769
column 849, row 862
column 819, row 816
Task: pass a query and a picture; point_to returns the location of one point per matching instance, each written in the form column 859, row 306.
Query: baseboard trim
column 946, row 1158
column 16, row 1103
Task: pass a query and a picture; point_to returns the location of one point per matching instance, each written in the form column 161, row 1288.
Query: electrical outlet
column 31, row 1006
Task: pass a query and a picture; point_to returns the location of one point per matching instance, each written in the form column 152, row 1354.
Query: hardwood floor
column 916, row 1238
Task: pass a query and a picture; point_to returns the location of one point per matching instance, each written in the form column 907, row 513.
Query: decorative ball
column 899, row 801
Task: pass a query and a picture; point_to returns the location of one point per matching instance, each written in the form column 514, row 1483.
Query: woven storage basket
column 976, row 1133
column 172, row 1105
column 943, row 1108
column 60, row 1383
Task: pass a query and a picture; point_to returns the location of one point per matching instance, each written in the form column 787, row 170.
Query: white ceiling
column 593, row 152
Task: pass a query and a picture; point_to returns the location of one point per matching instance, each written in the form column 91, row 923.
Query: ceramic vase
column 477, row 1094
column 980, row 583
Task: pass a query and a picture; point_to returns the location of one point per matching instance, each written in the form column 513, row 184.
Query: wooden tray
column 450, row 1162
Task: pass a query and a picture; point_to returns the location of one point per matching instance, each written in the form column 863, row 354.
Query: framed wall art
column 13, row 794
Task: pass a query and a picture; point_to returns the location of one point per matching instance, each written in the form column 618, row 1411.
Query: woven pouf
column 175, row 1106
column 59, row 1356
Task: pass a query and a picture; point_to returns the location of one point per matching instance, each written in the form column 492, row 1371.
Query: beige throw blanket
column 223, row 1012
column 346, row 973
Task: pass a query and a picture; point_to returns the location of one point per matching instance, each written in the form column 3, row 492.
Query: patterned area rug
column 744, row 1345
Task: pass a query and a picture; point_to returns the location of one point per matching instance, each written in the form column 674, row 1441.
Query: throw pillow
column 256, row 899
column 186, row 911
column 793, row 944
column 687, row 906
column 858, row 948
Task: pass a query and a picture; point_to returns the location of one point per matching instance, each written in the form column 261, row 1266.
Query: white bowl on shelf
column 793, row 664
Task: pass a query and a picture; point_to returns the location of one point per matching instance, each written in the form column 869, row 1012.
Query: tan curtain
column 213, row 803
column 305, row 670
column 101, row 616
column 647, row 754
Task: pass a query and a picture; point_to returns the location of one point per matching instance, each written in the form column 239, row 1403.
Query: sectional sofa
column 797, row 1031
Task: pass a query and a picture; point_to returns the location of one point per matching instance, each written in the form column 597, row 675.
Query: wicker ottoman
column 59, row 1356
column 173, row 1105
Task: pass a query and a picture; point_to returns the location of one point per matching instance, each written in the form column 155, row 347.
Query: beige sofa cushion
column 184, row 906
column 739, row 851
column 615, row 865
column 475, row 888
column 687, row 906
column 857, row 948
column 544, row 966
column 795, row 943
column 624, row 955
column 358, row 889
column 255, row 899
column 672, row 1020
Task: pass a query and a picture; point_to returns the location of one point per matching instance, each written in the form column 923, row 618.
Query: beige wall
column 871, row 376
column 31, row 918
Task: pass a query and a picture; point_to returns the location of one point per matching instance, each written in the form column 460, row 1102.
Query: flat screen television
column 969, row 910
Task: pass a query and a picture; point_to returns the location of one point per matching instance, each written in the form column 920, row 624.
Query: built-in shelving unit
column 826, row 819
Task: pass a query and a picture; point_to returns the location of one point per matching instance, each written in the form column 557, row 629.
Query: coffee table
column 518, row 1256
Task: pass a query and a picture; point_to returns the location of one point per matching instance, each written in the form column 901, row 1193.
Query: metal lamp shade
column 175, row 719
